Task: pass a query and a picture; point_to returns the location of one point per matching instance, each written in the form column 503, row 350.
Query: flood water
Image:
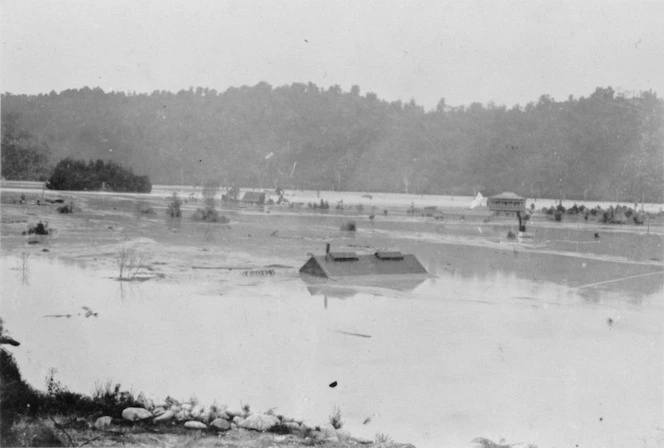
column 535, row 344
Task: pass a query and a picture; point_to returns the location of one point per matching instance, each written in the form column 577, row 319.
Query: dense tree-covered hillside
column 604, row 146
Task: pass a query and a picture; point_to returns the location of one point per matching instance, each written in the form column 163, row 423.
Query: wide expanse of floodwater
column 557, row 343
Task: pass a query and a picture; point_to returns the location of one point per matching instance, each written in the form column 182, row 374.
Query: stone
column 103, row 422
column 259, row 422
column 237, row 419
column 343, row 435
column 393, row 445
column 292, row 425
column 170, row 402
column 235, row 412
column 223, row 414
column 221, row 424
column 182, row 415
column 193, row 424
column 361, row 441
column 206, row 416
column 165, row 417
column 197, row 411
column 329, row 431
column 144, row 402
column 136, row 414
column 156, row 412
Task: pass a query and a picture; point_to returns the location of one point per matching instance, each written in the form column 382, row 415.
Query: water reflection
column 473, row 353
column 349, row 287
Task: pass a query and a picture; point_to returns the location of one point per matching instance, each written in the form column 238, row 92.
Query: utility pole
column 560, row 193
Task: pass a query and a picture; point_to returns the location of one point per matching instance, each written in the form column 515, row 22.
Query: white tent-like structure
column 477, row 201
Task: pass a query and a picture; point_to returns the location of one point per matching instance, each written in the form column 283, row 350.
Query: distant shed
column 344, row 264
column 254, row 197
column 507, row 203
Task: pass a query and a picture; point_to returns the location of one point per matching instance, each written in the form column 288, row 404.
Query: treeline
column 70, row 174
column 605, row 146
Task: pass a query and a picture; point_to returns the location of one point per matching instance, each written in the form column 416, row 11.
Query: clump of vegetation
column 173, row 208
column 323, row 205
column 210, row 215
column 71, row 174
column 66, row 209
column 129, row 264
column 41, row 228
column 210, row 190
column 382, row 438
column 146, row 210
column 335, row 418
column 231, row 195
column 349, row 226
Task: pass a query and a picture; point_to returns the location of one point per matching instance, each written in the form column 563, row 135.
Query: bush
column 335, row 419
column 349, row 226
column 66, row 209
column 41, row 228
column 209, row 214
column 173, row 208
column 70, row 174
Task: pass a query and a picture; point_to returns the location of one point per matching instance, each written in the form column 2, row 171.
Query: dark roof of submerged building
column 506, row 195
column 343, row 264
column 255, row 197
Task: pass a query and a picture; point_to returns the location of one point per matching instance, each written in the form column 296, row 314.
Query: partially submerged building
column 507, row 203
column 254, row 197
column 344, row 264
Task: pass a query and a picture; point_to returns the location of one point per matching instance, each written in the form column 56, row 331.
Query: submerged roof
column 506, row 195
column 336, row 264
column 253, row 196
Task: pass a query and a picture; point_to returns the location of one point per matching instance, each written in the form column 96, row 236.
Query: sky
column 503, row 51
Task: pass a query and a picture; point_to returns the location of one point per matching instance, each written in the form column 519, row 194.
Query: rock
column 103, row 422
column 235, row 412
column 182, row 415
column 361, row 441
column 329, row 433
column 223, row 414
column 343, row 435
column 206, row 416
column 259, row 422
column 165, row 417
column 45, row 437
column 156, row 412
column 393, row 445
column 170, row 402
column 136, row 414
column 144, row 402
column 193, row 424
column 237, row 419
column 197, row 411
column 221, row 424
column 292, row 425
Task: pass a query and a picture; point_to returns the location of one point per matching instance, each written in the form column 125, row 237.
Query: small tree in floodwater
column 129, row 263
column 210, row 213
column 210, row 190
column 173, row 207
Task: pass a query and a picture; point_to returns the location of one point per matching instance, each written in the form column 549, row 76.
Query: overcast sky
column 507, row 52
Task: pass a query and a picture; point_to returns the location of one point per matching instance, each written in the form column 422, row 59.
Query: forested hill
column 604, row 146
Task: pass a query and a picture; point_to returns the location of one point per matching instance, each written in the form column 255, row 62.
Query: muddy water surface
column 452, row 359
column 554, row 341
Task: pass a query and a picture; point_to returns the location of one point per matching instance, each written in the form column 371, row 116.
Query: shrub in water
column 41, row 228
column 66, row 209
column 209, row 215
column 173, row 208
column 349, row 226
